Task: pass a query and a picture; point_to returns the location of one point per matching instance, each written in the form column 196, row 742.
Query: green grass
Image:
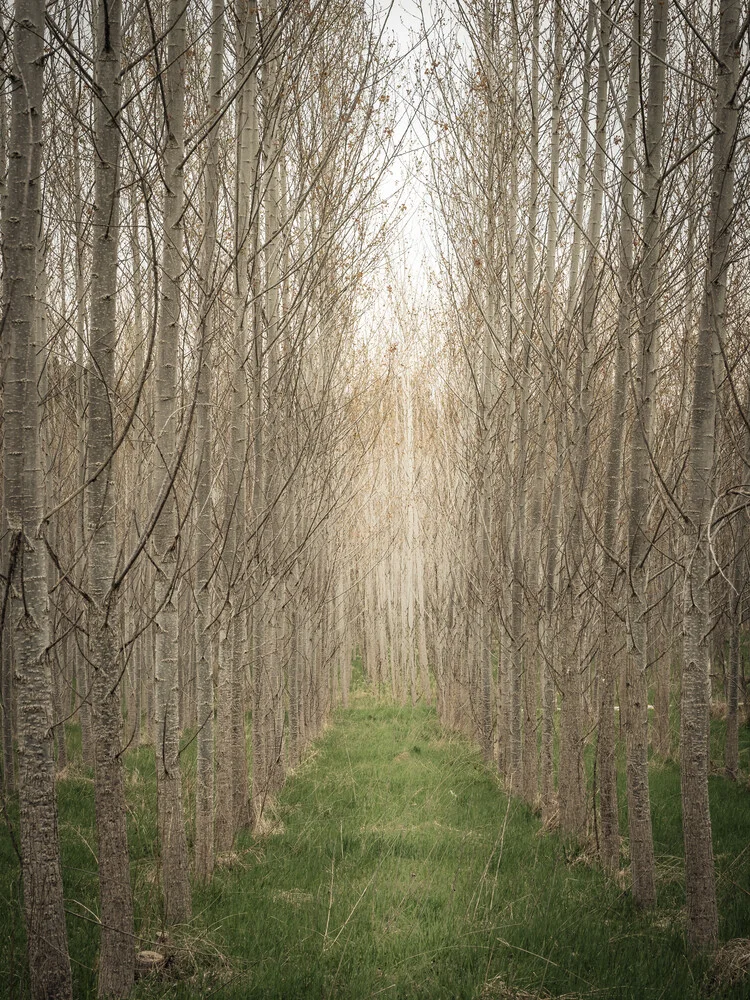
column 398, row 869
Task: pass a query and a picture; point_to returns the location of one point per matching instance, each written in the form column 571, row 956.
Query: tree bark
column 548, row 637
column 644, row 385
column 166, row 538
column 49, row 964
column 204, row 793
column 117, row 952
column 610, row 659
column 533, row 608
column 700, row 881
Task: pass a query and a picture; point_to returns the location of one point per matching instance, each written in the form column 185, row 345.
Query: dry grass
column 732, row 964
column 75, row 770
column 498, row 989
column 294, row 897
column 253, row 853
column 669, row 869
column 550, row 825
column 187, row 954
column 270, row 823
column 585, row 854
column 622, row 879
column 718, row 710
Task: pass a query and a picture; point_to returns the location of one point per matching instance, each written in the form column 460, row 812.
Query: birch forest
column 354, row 351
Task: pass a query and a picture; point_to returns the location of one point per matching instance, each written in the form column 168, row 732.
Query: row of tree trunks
column 626, row 512
column 700, row 880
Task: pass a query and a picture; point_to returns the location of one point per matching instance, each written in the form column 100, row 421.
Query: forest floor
column 398, row 868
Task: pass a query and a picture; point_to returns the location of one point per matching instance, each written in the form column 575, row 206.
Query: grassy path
column 399, row 869
column 403, row 871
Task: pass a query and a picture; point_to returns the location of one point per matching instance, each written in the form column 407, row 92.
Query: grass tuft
column 498, row 989
column 731, row 968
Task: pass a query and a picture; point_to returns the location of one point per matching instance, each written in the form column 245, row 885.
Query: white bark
column 533, row 609
column 204, row 794
column 117, row 953
column 606, row 761
column 49, row 965
column 636, row 721
column 700, row 882
column 174, row 859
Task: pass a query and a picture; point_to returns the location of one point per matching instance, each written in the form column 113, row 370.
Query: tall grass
column 397, row 868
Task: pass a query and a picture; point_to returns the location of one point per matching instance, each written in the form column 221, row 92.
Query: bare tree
column 116, row 958
column 636, row 720
column 166, row 534
column 700, row 883
column 611, row 633
column 26, row 572
column 204, row 797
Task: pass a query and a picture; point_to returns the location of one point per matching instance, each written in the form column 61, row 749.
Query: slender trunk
column 609, row 843
column 230, row 662
column 660, row 638
column 549, row 646
column 736, row 598
column 636, row 722
column 700, row 882
column 204, row 793
column 224, row 818
column 547, row 636
column 81, row 663
column 116, row 956
column 533, row 608
column 47, row 945
column 266, row 729
column 6, row 633
column 240, row 783
column 174, row 859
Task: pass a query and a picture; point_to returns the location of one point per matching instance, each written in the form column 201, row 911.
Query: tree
column 26, row 572
column 700, row 883
column 166, row 532
column 204, row 797
column 644, row 386
column 611, row 635
column 117, row 954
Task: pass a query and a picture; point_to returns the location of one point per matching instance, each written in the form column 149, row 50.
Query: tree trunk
column 204, row 793
column 49, row 964
column 636, row 721
column 81, row 661
column 609, row 656
column 174, row 859
column 548, row 636
column 533, row 609
column 700, row 882
column 117, row 952
column 6, row 632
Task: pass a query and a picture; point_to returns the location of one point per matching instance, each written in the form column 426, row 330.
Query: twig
column 500, row 855
column 351, row 913
column 330, row 903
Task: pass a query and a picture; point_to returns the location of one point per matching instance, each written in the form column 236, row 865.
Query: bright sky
column 403, row 286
